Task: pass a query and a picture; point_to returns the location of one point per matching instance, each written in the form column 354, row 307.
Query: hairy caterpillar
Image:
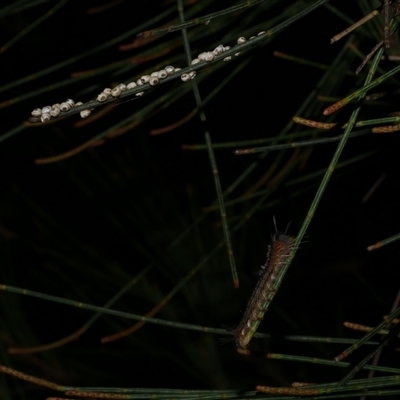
column 278, row 252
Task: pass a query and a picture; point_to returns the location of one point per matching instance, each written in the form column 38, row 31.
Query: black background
column 82, row 227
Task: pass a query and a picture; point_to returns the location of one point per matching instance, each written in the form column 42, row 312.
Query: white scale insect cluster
column 48, row 113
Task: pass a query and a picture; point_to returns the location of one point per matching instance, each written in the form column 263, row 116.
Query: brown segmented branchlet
column 278, row 253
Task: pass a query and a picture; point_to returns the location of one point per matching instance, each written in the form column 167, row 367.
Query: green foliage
column 136, row 208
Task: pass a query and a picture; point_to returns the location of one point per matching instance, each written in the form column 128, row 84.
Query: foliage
column 91, row 204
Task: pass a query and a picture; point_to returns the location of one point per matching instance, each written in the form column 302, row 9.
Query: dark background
column 82, row 227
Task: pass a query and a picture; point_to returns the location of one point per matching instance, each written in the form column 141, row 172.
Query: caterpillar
column 278, row 252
